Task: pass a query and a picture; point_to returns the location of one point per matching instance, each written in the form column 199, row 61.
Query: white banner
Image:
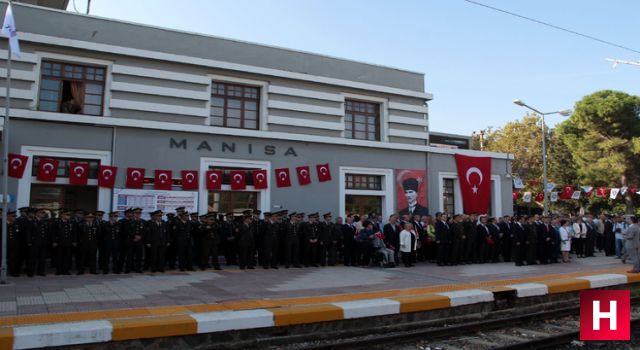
column 554, row 196
column 518, row 183
column 576, row 194
column 151, row 200
column 614, row 193
column 550, row 186
column 526, row 197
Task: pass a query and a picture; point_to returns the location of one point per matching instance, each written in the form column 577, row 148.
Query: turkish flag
column 107, row 176
column 189, row 180
column 17, row 164
column 238, row 179
column 213, row 179
column 475, row 183
column 540, row 197
column 324, row 173
column 47, row 170
column 260, row 179
column 632, row 189
column 514, row 195
column 135, row 177
column 78, row 173
column 567, row 192
column 162, row 180
column 304, row 177
column 282, row 177
column 602, row 192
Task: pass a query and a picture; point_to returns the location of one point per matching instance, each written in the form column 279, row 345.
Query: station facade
column 153, row 98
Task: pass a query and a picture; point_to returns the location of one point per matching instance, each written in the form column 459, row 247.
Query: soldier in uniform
column 244, row 238
column 14, row 233
column 257, row 226
column 134, row 230
column 335, row 240
column 37, row 233
column 209, row 241
column 229, row 240
column 182, row 231
column 110, row 242
column 194, row 217
column 156, row 240
column 311, row 236
column 22, row 222
column 63, row 239
column 270, row 242
column 170, row 252
column 292, row 241
column 87, row 244
column 123, row 241
column 281, row 236
column 326, row 226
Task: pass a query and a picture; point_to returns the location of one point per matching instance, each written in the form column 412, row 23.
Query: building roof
column 69, row 25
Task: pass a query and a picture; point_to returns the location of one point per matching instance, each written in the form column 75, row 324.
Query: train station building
column 105, row 92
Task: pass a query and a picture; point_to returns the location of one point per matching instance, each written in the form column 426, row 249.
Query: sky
column 476, row 61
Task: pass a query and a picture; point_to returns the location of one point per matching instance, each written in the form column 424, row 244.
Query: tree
column 603, row 137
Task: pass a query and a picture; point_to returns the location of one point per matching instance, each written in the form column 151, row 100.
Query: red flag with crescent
column 189, row 180
column 540, row 197
column 107, row 176
column 475, row 183
column 238, row 179
column 567, row 192
column 602, row 192
column 78, row 173
column 17, row 164
column 260, row 179
column 514, row 195
column 47, row 170
column 135, row 177
column 213, row 179
column 162, row 180
column 304, row 176
column 324, row 173
column 282, row 177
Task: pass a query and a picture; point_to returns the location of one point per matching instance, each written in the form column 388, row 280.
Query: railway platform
column 238, row 308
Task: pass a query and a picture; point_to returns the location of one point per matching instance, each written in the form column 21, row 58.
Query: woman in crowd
column 565, row 240
column 429, row 238
column 407, row 244
column 579, row 236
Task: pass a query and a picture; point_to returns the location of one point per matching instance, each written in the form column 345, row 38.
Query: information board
column 151, row 200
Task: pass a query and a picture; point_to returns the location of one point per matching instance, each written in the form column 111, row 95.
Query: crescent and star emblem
column 237, row 178
column 16, row 163
column 304, row 172
column 163, row 177
column 323, row 170
column 135, row 174
column 189, row 177
column 78, row 170
column 282, row 175
column 107, row 173
column 213, row 177
column 260, row 177
column 471, row 171
column 48, row 167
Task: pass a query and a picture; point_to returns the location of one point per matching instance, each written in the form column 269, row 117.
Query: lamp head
column 565, row 112
column 519, row 102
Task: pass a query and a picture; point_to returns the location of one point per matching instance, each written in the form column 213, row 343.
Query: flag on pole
column 614, row 193
column 9, row 30
column 526, row 197
column 553, row 196
column 576, row 195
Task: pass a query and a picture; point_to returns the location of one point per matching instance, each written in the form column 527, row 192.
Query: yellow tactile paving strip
column 290, row 310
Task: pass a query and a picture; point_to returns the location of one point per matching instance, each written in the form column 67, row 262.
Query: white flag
column 9, row 30
column 526, row 197
column 554, row 196
column 614, row 193
column 518, row 183
column 623, row 190
column 576, row 194
column 550, row 186
column 587, row 189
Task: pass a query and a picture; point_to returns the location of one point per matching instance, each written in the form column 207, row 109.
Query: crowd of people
column 38, row 241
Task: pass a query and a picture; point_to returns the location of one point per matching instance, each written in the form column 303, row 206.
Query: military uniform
column 134, row 230
column 14, row 233
column 292, row 242
column 311, row 236
column 36, row 234
column 87, row 240
column 270, row 243
column 229, row 240
column 182, row 236
column 243, row 233
column 110, row 243
column 156, row 240
column 209, row 241
column 326, row 227
column 64, row 237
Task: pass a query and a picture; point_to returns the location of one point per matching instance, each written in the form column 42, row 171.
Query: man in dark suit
column 391, row 232
column 349, row 241
column 443, row 239
column 519, row 239
column 410, row 187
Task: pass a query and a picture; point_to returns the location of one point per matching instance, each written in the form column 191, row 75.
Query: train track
column 540, row 330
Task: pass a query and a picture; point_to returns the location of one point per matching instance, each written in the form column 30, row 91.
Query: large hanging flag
column 475, row 182
column 9, row 30
column 238, row 179
column 282, row 177
column 162, row 180
column 189, row 180
column 304, row 175
column 17, row 165
column 213, row 179
column 324, row 173
column 135, row 177
column 78, row 173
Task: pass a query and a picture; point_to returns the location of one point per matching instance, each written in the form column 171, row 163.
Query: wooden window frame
column 243, row 99
column 350, row 126
column 62, row 78
column 448, row 197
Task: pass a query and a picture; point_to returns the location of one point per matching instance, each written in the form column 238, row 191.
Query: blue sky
column 476, row 61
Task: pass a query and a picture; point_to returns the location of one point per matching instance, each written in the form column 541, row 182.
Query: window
column 362, row 120
column 71, row 88
column 235, row 106
column 363, row 182
column 63, row 166
column 232, row 201
column 360, row 205
column 448, row 197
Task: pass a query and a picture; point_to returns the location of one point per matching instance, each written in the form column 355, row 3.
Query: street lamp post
column 563, row 112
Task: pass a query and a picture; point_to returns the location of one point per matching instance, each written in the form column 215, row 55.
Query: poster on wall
column 151, row 200
column 411, row 189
